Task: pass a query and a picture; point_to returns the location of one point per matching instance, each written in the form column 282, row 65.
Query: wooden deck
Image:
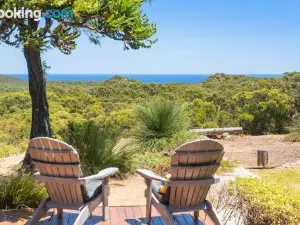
column 132, row 215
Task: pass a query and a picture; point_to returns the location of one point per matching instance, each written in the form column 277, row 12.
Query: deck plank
column 190, row 219
column 180, row 219
column 47, row 219
column 130, row 218
column 114, row 217
column 137, row 214
column 122, row 215
column 98, row 216
column 206, row 219
column 72, row 217
column 129, row 215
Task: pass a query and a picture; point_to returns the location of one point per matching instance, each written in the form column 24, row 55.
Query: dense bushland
column 294, row 130
column 260, row 106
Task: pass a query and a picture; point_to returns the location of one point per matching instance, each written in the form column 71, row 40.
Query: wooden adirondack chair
column 59, row 169
column 193, row 166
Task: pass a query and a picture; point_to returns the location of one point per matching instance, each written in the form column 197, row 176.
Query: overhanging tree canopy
column 120, row 20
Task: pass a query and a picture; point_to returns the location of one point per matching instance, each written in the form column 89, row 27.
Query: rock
column 226, row 136
column 290, row 165
column 213, row 136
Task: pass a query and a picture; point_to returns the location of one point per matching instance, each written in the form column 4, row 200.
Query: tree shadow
column 181, row 219
column 15, row 216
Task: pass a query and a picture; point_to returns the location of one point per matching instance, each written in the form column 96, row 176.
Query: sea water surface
column 145, row 78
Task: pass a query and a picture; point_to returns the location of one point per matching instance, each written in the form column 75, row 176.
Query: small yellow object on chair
column 168, row 176
column 163, row 189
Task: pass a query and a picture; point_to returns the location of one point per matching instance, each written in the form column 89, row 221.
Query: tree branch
column 48, row 25
column 83, row 25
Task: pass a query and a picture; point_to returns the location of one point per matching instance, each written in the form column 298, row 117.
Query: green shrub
column 167, row 144
column 267, row 203
column 96, row 144
column 19, row 191
column 264, row 110
column 226, row 166
column 203, row 114
column 160, row 118
column 294, row 134
column 7, row 150
column 156, row 162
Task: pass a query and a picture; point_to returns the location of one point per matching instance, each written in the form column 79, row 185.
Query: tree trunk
column 40, row 126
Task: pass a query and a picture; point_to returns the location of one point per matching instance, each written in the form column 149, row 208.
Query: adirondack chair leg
column 105, row 195
column 212, row 213
column 60, row 213
column 148, row 195
column 167, row 217
column 196, row 215
column 83, row 216
column 39, row 213
column 148, row 213
column 164, row 212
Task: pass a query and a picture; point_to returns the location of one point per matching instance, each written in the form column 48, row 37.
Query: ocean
column 145, row 78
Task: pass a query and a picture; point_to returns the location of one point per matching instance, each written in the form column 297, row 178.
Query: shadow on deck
column 129, row 215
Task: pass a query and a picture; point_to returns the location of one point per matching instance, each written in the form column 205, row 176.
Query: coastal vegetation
column 140, row 110
column 294, row 131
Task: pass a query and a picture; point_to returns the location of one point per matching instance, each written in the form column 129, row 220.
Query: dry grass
column 289, row 177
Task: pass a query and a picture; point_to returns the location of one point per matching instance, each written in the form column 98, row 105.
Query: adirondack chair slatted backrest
column 57, row 159
column 194, row 161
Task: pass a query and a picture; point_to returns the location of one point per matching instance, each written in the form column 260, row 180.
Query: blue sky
column 194, row 37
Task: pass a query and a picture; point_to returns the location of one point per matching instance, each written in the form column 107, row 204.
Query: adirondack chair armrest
column 148, row 174
column 64, row 180
column 102, row 174
column 186, row 183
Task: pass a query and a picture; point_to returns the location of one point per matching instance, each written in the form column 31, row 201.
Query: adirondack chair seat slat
column 162, row 197
column 91, row 190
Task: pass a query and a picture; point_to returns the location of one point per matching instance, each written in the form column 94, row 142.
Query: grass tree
column 121, row 20
column 160, row 118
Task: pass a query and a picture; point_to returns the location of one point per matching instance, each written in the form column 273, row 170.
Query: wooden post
column 262, row 158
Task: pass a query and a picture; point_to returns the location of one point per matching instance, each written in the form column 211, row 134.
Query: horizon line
column 157, row 74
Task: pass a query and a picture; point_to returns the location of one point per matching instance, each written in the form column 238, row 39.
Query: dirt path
column 127, row 192
column 244, row 149
column 7, row 164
